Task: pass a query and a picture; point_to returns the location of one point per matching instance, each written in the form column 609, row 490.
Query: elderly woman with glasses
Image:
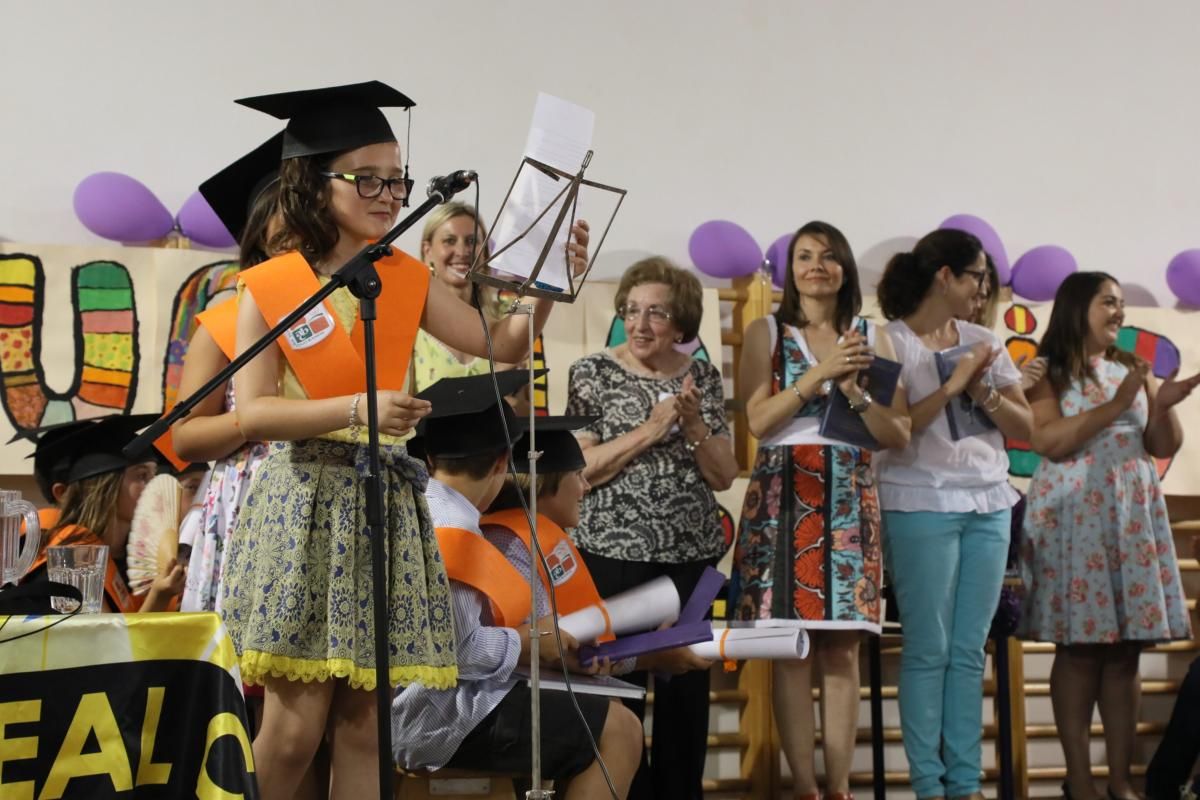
column 656, row 452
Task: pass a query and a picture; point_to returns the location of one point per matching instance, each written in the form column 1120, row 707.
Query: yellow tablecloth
column 109, row 705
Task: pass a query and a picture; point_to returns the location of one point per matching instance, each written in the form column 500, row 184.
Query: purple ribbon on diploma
column 690, row 628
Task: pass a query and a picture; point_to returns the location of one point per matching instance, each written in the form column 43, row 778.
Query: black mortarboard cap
column 49, row 461
column 232, row 191
column 88, row 448
column 559, row 448
column 333, row 119
column 465, row 420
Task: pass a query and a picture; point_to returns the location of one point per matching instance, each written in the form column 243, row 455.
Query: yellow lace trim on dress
column 256, row 666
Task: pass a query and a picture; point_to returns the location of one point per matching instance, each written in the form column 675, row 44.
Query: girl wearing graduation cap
column 96, row 488
column 245, row 196
column 297, row 581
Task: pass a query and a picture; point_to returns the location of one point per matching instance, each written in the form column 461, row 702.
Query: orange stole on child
column 471, row 559
column 572, row 583
column 220, row 321
column 318, row 342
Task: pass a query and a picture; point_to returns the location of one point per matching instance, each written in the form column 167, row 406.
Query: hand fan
column 154, row 533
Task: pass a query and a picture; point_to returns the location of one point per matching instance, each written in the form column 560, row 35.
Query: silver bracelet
column 993, row 394
column 354, row 423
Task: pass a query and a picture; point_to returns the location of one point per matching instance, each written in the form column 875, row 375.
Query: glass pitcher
column 17, row 516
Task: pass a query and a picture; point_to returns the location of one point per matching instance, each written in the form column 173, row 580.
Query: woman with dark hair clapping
column 808, row 548
column 1098, row 558
column 946, row 502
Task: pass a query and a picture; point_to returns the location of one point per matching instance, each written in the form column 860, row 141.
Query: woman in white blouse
column 946, row 502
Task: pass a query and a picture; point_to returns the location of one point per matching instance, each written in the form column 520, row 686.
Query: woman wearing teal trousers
column 946, row 503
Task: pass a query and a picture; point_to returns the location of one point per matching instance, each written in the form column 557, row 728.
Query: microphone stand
column 482, row 273
column 360, row 277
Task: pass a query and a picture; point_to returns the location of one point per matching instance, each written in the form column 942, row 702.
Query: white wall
column 1073, row 123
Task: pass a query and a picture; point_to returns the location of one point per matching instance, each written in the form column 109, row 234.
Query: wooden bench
column 453, row 784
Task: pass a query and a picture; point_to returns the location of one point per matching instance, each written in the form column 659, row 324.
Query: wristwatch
column 862, row 405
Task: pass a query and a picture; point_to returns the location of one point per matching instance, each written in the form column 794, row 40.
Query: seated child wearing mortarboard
column 483, row 723
column 79, row 466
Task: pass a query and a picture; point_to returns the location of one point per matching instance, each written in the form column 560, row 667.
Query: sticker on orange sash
column 311, row 330
column 562, row 564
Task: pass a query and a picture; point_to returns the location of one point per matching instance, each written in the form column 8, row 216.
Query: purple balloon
column 1038, row 273
column 724, row 249
column 1183, row 277
column 120, row 208
column 198, row 222
column 987, row 237
column 777, row 256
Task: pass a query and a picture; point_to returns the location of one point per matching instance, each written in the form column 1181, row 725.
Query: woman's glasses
column 978, row 274
column 656, row 314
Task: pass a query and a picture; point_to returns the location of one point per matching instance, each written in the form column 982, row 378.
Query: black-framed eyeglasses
column 979, row 274
column 371, row 186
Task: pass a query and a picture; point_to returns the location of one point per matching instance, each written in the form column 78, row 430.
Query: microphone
column 446, row 186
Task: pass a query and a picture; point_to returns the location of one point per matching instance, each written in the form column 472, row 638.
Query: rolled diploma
column 745, row 643
column 641, row 608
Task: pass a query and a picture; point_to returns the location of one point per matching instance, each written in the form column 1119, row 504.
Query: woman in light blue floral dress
column 1098, row 559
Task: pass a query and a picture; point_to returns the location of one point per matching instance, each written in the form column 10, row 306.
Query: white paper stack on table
column 641, row 608
column 739, row 644
column 549, row 678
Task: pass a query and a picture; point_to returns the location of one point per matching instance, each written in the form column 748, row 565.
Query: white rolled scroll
column 641, row 608
column 738, row 644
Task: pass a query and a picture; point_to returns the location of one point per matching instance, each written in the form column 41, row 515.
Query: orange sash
column 165, row 445
column 327, row 360
column 116, row 592
column 47, row 519
column 573, row 585
column 472, row 560
column 221, row 323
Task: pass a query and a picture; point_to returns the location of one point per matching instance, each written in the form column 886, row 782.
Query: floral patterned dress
column 220, row 497
column 808, row 547
column 296, row 588
column 1097, row 559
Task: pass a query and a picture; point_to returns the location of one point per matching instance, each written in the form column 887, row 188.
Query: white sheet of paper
column 560, row 135
column 744, row 643
column 641, row 608
column 584, row 684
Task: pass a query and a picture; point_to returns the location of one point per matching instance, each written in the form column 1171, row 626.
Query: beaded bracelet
column 354, row 423
column 692, row 447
